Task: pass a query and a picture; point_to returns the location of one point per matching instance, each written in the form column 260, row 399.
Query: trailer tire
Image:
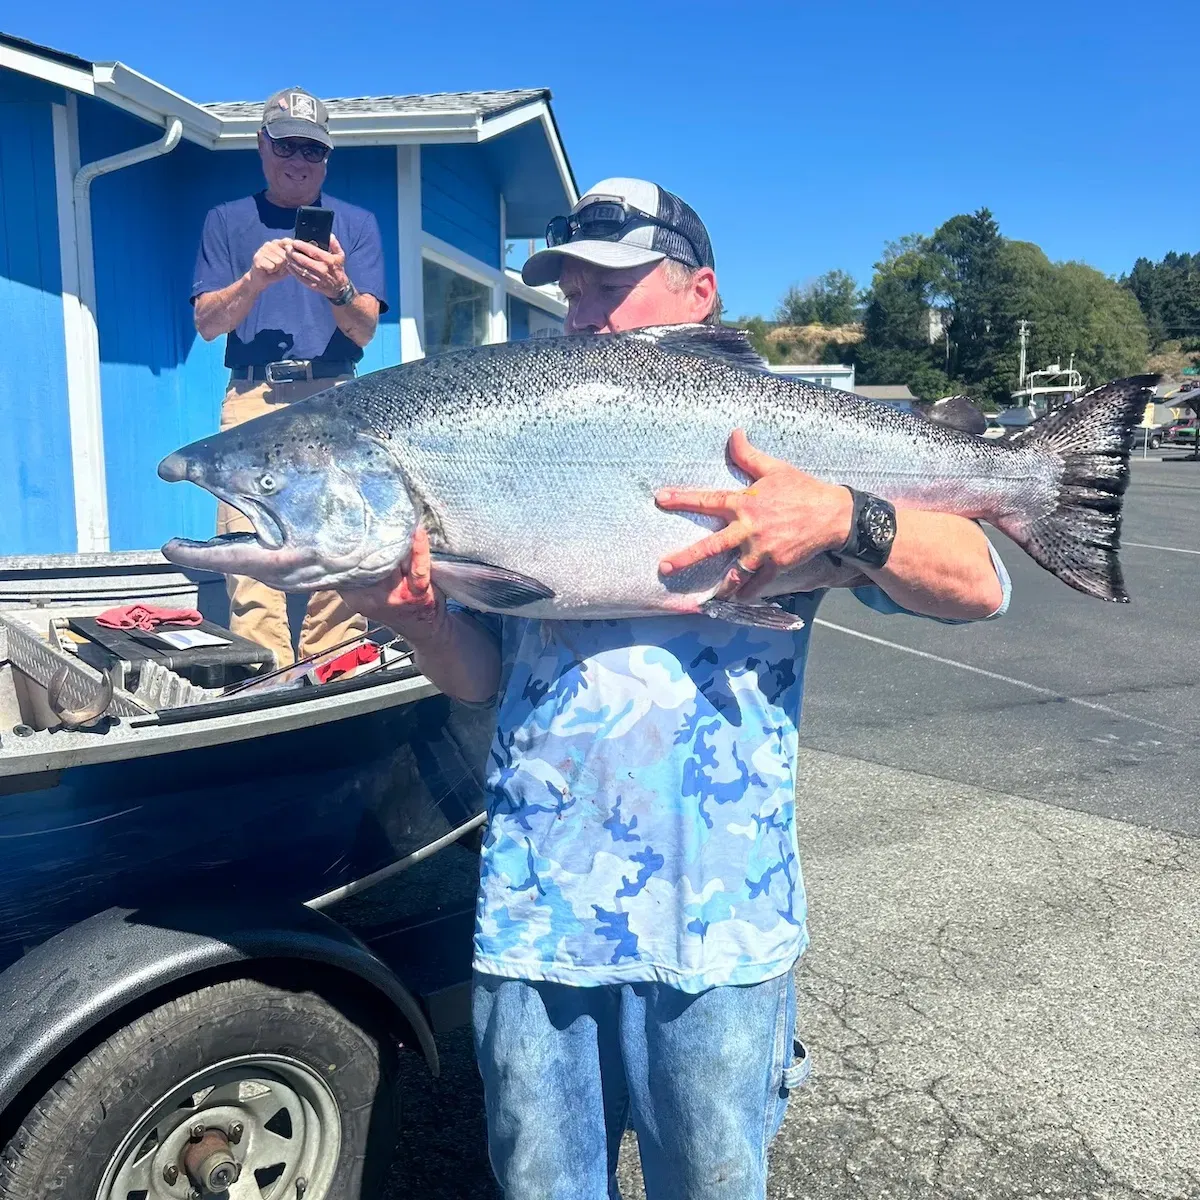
column 303, row 1076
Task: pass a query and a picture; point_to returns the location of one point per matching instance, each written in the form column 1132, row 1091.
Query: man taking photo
column 296, row 318
column 641, row 906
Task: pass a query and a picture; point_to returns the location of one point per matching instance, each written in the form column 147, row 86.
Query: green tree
column 896, row 347
column 1085, row 314
column 1168, row 293
column 831, row 299
column 983, row 297
column 982, row 284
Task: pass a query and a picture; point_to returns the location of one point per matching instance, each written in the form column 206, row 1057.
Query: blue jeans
column 703, row 1079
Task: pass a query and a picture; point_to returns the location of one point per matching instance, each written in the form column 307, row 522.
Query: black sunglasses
column 312, row 152
column 607, row 220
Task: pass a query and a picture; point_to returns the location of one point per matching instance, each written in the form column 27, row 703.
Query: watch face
column 879, row 525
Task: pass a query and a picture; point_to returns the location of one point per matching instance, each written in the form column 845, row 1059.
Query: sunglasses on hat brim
column 608, row 219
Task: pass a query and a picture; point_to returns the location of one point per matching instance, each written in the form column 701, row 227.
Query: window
column 528, row 321
column 457, row 309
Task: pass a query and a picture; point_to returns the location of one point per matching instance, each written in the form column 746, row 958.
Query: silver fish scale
column 543, row 456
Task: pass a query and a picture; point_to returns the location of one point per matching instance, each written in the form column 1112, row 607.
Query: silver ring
column 748, row 572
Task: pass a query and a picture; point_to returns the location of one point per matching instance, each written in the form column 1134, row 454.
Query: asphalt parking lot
column 998, row 825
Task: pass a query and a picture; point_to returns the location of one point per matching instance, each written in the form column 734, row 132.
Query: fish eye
column 266, row 483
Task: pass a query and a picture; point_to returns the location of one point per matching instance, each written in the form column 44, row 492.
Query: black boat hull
column 287, row 816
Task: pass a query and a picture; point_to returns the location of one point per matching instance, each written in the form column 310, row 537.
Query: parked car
column 1183, row 431
column 1149, row 435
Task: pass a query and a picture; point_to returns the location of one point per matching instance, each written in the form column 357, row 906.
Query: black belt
column 293, row 370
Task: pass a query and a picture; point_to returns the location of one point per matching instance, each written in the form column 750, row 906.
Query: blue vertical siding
column 162, row 385
column 460, row 201
column 366, row 176
column 37, row 501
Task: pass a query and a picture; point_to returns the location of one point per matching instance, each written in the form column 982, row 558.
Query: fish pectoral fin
column 766, row 616
column 485, row 586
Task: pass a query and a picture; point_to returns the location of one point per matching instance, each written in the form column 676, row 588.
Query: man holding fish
column 641, row 904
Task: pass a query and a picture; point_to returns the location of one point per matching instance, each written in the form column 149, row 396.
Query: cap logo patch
column 303, row 108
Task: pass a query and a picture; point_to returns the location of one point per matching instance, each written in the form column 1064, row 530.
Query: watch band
column 345, row 295
column 872, row 530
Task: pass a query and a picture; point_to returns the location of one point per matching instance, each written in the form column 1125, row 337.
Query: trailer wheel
column 244, row 1088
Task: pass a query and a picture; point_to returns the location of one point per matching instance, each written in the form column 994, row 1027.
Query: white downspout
column 87, row 425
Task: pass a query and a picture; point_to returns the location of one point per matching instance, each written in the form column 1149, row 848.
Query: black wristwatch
column 872, row 530
column 345, row 295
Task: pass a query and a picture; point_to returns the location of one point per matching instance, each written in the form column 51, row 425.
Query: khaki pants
column 256, row 611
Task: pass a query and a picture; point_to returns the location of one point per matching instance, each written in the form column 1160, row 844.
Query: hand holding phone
column 314, row 256
column 314, row 225
column 270, row 263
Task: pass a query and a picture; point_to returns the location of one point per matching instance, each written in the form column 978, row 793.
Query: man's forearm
column 455, row 653
column 221, row 312
column 358, row 319
column 940, row 565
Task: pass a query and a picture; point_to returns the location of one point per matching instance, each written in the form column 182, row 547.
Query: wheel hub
column 261, row 1127
column 210, row 1164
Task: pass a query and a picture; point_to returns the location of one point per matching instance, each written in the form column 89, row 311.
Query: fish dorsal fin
column 706, row 341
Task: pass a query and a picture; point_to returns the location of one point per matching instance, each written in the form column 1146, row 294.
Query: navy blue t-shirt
column 288, row 320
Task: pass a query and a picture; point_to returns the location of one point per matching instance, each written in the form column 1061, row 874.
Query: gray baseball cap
column 676, row 232
column 294, row 112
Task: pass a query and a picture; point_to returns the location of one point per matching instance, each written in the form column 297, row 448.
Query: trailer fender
column 67, row 985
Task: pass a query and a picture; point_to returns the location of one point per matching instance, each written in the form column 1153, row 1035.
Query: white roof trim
column 140, row 95
column 366, row 129
column 46, row 69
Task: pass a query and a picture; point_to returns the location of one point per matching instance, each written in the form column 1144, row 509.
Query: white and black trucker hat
column 622, row 223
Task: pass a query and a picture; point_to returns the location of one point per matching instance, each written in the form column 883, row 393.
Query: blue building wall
column 460, row 201
column 37, row 501
column 162, row 385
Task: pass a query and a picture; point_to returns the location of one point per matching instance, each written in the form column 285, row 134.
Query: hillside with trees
column 942, row 310
column 1168, row 293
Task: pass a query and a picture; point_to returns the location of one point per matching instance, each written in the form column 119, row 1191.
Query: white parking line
column 1021, row 683
column 1148, row 546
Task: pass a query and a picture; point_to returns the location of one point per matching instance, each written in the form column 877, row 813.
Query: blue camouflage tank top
column 642, row 803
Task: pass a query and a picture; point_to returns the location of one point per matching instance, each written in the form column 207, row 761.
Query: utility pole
column 1023, row 332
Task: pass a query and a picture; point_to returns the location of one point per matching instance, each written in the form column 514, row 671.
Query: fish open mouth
column 267, row 535
column 222, row 539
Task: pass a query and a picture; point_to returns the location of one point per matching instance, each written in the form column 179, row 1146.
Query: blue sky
column 806, row 135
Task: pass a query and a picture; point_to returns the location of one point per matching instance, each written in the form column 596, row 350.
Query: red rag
column 146, row 617
column 359, row 656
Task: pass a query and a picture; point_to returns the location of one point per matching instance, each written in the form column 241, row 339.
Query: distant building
column 888, row 393
column 937, row 322
column 836, row 375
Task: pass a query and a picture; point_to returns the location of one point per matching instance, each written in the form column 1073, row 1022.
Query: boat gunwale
column 142, row 737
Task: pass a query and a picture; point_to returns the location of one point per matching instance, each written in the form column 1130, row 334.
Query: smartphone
column 314, row 225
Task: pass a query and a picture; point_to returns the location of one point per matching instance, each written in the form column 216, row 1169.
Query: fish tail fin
column 1078, row 541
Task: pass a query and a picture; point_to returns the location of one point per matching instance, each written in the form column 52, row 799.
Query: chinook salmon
column 533, row 466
